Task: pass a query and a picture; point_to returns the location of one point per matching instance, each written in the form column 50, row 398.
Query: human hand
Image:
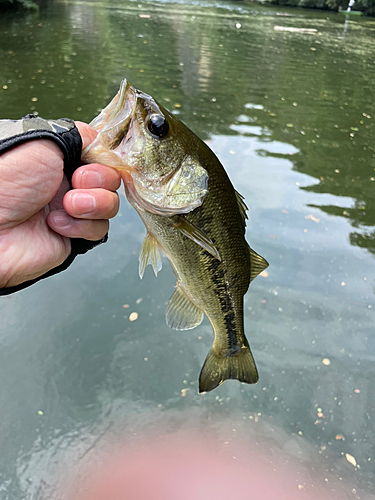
column 39, row 213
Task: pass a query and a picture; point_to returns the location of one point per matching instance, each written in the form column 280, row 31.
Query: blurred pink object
column 191, row 469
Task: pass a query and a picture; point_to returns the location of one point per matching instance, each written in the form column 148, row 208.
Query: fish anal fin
column 218, row 367
column 242, row 206
column 257, row 264
column 150, row 254
column 181, row 313
column 199, row 237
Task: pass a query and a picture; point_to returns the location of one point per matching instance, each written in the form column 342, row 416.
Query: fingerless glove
column 65, row 134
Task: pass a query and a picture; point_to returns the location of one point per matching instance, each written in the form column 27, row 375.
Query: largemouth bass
column 193, row 215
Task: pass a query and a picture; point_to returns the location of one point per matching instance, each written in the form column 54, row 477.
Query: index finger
column 95, row 175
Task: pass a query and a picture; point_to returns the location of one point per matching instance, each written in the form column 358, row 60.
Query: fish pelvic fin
column 150, row 254
column 218, row 367
column 181, row 313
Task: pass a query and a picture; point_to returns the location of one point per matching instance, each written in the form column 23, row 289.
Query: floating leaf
column 351, row 459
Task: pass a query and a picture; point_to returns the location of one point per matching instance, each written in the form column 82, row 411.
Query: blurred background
column 285, row 98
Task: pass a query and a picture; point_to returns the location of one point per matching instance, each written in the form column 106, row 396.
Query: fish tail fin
column 238, row 365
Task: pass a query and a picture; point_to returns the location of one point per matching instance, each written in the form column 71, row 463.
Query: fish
column 193, row 215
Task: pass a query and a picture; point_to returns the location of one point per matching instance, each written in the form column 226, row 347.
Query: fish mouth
column 112, row 125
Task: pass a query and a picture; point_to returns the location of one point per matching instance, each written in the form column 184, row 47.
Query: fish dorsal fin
column 150, row 254
column 257, row 264
column 242, row 206
column 198, row 236
column 181, row 313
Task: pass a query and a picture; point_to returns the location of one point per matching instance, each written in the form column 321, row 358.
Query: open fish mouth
column 112, row 125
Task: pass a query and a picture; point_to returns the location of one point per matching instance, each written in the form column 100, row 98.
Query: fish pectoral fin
column 181, row 313
column 150, row 254
column 257, row 264
column 198, row 236
column 219, row 367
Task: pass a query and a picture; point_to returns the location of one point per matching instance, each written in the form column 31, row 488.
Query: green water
column 291, row 115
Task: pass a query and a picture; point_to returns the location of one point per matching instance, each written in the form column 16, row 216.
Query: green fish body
column 193, row 215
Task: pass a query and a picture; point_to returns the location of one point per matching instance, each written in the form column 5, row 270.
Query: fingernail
column 91, row 179
column 61, row 219
column 83, row 203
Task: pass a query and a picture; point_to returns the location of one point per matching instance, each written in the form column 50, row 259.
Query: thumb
column 87, row 133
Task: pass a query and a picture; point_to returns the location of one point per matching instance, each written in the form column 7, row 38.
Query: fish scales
column 194, row 216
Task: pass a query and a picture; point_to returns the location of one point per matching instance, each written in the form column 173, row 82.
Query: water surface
column 291, row 116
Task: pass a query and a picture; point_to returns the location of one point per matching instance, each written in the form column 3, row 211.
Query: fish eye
column 158, row 126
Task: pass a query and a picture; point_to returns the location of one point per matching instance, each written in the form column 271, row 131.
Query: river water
column 291, row 116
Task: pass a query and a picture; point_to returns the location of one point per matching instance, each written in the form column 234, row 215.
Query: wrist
column 23, row 258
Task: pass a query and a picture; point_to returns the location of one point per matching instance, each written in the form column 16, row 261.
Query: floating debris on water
column 351, row 459
column 326, row 361
column 133, row 316
column 311, row 31
column 311, row 217
column 320, row 413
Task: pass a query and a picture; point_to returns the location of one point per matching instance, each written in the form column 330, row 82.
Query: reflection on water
column 291, row 116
